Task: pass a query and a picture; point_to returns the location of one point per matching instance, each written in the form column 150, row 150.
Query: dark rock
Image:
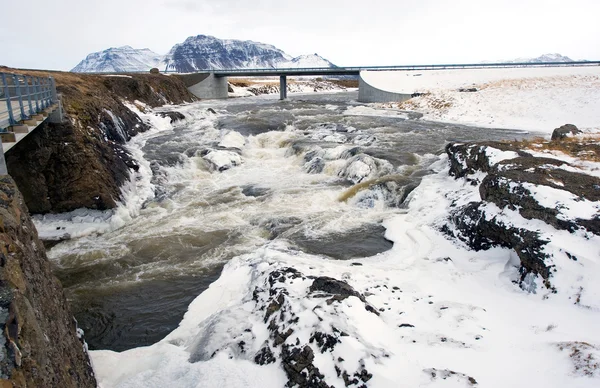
column 315, row 166
column 211, row 110
column 154, row 70
column 467, row 90
column 334, row 287
column 325, row 341
column 174, row 116
column 479, row 233
column 264, row 356
column 42, row 346
column 229, row 88
column 504, row 187
column 564, row 132
column 298, row 366
column 468, row 158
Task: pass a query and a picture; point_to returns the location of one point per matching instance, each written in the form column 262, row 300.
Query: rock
column 362, row 167
column 42, row 345
column 220, row 160
column 467, row 90
column 481, row 232
column 564, row 132
column 332, row 286
column 174, row 116
column 81, row 162
column 154, row 70
column 468, row 158
column 229, row 88
column 510, row 185
column 314, row 166
column 233, row 139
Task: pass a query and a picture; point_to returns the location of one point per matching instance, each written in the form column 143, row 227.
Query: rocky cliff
column 82, row 162
column 535, row 198
column 41, row 346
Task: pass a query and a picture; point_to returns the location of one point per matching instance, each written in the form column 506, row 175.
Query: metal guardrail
column 358, row 69
column 22, row 96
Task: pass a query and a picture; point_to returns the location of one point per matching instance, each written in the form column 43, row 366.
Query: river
column 319, row 172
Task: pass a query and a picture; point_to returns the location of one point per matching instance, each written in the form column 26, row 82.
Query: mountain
column 550, row 58
column 306, row 61
column 198, row 53
column 555, row 57
column 119, row 60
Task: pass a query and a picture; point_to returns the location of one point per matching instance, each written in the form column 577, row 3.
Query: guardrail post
column 28, row 91
column 35, row 93
column 43, row 93
column 19, row 96
column 11, row 119
column 53, row 86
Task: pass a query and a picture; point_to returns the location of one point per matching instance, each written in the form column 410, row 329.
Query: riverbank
column 534, row 99
column 440, row 307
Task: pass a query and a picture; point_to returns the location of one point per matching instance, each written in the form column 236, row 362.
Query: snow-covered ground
column 535, row 99
column 446, row 316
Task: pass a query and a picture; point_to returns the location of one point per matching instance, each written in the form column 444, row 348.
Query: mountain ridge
column 197, row 53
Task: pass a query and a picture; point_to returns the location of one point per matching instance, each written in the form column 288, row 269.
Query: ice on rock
column 362, row 167
column 233, row 140
column 220, row 160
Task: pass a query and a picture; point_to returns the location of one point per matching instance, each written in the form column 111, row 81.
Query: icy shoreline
column 428, row 312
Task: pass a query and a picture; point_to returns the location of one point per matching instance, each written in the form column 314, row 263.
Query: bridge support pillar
column 282, row 87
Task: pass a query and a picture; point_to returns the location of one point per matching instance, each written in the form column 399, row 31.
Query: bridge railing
column 22, row 96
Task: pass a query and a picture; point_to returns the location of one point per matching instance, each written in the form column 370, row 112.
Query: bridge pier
column 282, row 87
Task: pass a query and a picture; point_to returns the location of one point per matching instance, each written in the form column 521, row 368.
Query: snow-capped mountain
column 207, row 52
column 306, row 61
column 198, row 53
column 545, row 58
column 119, row 59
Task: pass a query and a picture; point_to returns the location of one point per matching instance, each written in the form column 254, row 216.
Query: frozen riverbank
column 535, row 99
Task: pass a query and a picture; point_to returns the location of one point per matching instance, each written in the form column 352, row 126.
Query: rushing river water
column 319, row 172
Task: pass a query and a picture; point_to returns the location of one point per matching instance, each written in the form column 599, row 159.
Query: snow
column 119, row 59
column 447, row 314
column 533, row 99
column 233, row 140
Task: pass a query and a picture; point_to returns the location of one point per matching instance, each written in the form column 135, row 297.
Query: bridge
column 25, row 103
column 212, row 83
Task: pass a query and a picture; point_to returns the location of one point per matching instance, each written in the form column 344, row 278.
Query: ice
column 233, row 139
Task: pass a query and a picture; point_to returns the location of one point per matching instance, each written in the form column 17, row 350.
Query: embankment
column 82, row 162
column 41, row 345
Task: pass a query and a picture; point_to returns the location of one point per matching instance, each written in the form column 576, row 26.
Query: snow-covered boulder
column 362, row 167
column 233, row 139
column 220, row 160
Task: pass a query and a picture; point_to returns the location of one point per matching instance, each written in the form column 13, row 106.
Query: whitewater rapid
column 318, row 183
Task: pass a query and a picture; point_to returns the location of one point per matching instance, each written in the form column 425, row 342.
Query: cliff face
column 82, row 162
column 40, row 344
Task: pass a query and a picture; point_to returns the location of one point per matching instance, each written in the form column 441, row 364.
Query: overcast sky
column 57, row 34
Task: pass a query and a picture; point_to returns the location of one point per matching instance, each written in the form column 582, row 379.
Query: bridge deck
column 356, row 70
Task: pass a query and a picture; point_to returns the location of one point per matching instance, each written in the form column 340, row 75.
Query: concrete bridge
column 25, row 103
column 212, row 84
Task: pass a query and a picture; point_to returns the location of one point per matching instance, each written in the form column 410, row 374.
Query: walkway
column 25, row 103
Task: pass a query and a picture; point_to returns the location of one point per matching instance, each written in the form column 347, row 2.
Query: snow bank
column 534, row 99
column 445, row 316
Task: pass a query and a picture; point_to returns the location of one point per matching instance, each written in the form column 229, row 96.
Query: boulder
column 565, row 131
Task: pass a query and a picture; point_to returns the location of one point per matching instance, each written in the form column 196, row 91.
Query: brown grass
column 582, row 147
